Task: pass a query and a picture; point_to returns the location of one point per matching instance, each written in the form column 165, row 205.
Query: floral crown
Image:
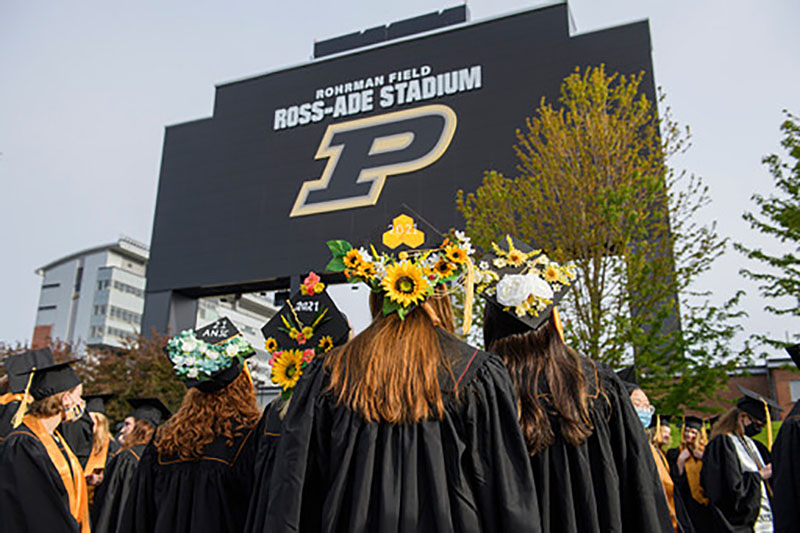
column 288, row 363
column 525, row 282
column 408, row 279
column 196, row 359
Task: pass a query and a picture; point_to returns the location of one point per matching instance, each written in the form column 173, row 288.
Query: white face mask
column 73, row 413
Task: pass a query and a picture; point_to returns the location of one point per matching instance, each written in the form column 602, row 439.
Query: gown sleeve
column 32, row 498
column 786, row 474
column 113, row 492
column 735, row 495
column 496, row 470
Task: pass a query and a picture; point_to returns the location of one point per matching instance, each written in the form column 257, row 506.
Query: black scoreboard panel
column 330, row 149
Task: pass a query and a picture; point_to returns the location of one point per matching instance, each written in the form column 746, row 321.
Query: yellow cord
column 769, row 425
column 23, row 404
column 469, row 287
column 558, row 324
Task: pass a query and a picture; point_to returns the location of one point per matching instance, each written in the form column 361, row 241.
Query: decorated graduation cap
column 405, row 231
column 629, row 378
column 211, row 357
column 151, row 410
column 95, row 403
column 308, row 324
column 794, row 353
column 18, row 365
column 523, row 282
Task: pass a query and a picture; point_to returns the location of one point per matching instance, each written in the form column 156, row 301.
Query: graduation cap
column 794, row 353
column 151, row 410
column 755, row 404
column 46, row 381
column 18, row 365
column 95, row 403
column 211, row 357
column 522, row 272
column 309, row 319
column 660, row 420
column 694, row 422
column 712, row 420
column 629, row 378
column 406, row 230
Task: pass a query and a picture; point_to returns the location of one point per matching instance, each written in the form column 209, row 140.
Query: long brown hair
column 547, row 375
column 203, row 416
column 728, row 424
column 101, row 433
column 390, row 371
column 141, row 433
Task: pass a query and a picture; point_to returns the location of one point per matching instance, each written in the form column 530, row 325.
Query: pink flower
column 301, row 339
column 274, row 357
column 310, row 282
column 308, row 355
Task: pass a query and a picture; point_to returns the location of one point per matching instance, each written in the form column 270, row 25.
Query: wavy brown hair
column 204, row 416
column 141, row 433
column 547, row 375
column 390, row 371
column 49, row 406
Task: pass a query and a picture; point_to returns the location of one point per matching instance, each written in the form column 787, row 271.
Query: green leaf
column 335, row 265
column 339, row 248
column 390, row 306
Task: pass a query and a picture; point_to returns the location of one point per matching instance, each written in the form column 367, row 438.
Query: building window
column 128, row 289
column 46, row 307
column 103, row 284
column 122, row 334
column 125, row 316
column 99, row 309
column 51, row 285
column 96, row 331
column 794, row 389
column 78, row 278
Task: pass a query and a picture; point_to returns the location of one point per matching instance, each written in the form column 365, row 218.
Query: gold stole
column 76, row 486
column 7, row 398
column 692, row 468
column 666, row 482
column 97, row 460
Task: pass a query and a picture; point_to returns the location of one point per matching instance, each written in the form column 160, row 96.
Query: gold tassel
column 469, row 290
column 247, row 373
column 23, row 404
column 558, row 324
column 683, row 431
column 658, row 428
column 769, row 425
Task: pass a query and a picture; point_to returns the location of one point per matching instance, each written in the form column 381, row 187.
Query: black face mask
column 751, row 430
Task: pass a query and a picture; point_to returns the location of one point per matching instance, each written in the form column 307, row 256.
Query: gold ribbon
column 469, row 296
column 97, row 460
column 769, row 425
column 558, row 324
column 23, row 405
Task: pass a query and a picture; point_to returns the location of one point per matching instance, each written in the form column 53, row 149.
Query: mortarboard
column 407, row 230
column 18, row 365
column 794, row 353
column 755, row 404
column 46, row 381
column 211, row 357
column 694, row 422
column 95, row 403
column 516, row 275
column 151, row 410
column 662, row 420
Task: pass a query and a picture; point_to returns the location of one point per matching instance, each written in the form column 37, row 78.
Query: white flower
column 188, row 344
column 211, row 354
column 483, row 265
column 231, row 350
column 192, row 373
column 540, row 288
column 380, row 266
column 177, row 360
column 365, row 256
column 190, row 361
column 514, row 289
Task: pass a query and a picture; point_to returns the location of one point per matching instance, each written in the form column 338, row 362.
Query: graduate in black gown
column 405, row 427
column 686, row 463
column 306, row 305
column 16, row 367
column 196, row 475
column 734, row 473
column 591, row 460
column 104, row 445
column 786, row 466
column 112, row 493
column 41, row 482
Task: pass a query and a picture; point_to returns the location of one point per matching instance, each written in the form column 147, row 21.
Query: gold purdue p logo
column 362, row 153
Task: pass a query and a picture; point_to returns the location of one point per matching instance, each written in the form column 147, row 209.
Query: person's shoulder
column 465, row 362
column 21, row 441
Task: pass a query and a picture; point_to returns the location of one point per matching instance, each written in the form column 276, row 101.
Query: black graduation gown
column 609, row 482
column 7, row 412
column 735, row 495
column 79, row 435
column 267, row 437
column 467, row 472
column 210, row 494
column 111, row 495
column 33, row 498
column 699, row 514
column 786, row 474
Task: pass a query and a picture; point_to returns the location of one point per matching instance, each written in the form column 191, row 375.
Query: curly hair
column 49, row 406
column 202, row 417
column 141, row 433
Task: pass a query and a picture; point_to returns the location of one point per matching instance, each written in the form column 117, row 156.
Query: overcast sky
column 86, row 89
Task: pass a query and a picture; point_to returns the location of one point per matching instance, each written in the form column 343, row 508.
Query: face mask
column 75, row 412
column 751, row 430
column 645, row 416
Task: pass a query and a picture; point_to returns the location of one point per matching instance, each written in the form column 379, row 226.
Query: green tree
column 594, row 187
column 779, row 217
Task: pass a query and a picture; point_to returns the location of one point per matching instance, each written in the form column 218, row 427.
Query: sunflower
column 326, row 343
column 515, row 257
column 270, row 345
column 405, row 283
column 365, row 270
column 287, row 369
column 444, row 268
column 352, row 258
column 455, row 254
column 551, row 273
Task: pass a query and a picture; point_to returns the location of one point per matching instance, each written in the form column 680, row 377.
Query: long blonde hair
column 728, row 424
column 101, row 432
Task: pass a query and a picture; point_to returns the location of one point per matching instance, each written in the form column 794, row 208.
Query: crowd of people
column 402, row 427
